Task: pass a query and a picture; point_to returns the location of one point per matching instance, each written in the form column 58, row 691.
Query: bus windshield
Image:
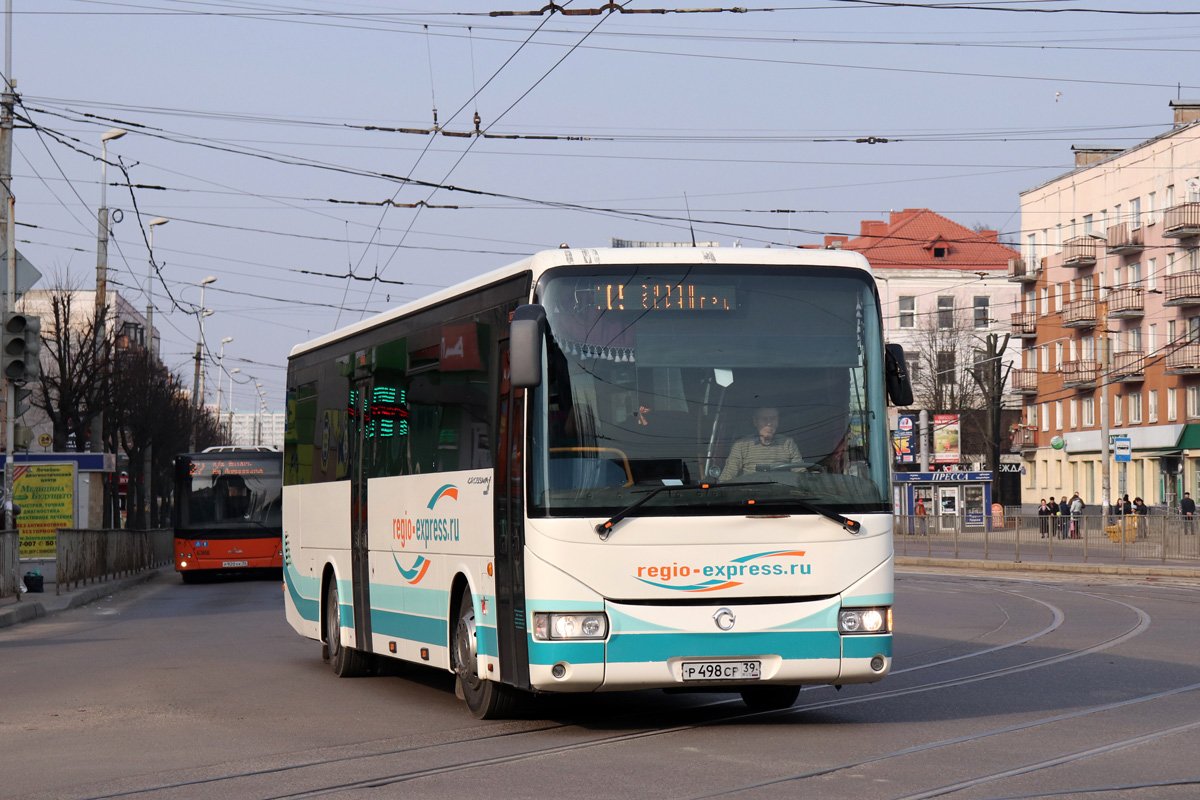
column 764, row 384
column 230, row 491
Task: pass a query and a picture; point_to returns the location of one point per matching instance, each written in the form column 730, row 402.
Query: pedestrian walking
column 1064, row 517
column 1044, row 515
column 921, row 513
column 1187, row 507
column 1077, row 505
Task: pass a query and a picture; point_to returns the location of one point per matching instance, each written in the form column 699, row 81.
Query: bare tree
column 946, row 348
column 71, row 387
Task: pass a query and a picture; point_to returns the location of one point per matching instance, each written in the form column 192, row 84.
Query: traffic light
column 22, row 401
column 33, row 348
column 22, row 347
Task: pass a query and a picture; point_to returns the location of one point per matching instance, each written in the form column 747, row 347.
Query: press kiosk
column 952, row 499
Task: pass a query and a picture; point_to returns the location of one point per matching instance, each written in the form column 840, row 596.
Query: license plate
column 235, row 563
column 721, row 670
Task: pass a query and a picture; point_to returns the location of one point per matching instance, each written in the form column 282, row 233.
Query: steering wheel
column 790, row 466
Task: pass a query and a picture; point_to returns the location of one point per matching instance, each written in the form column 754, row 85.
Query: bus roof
column 605, row 256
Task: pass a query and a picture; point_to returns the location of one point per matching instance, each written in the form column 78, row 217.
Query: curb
column 1047, row 566
column 30, row 609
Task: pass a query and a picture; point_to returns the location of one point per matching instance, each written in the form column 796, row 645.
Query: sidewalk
column 31, row 605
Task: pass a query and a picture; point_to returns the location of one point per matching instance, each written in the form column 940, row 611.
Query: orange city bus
column 227, row 513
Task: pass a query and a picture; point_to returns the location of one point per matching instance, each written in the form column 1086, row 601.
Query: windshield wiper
column 850, row 525
column 605, row 528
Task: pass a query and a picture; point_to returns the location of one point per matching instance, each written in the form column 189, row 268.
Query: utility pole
column 1104, row 357
column 100, row 324
column 7, row 100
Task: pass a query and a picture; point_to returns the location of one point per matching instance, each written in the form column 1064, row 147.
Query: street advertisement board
column 45, row 494
column 904, row 439
column 945, row 438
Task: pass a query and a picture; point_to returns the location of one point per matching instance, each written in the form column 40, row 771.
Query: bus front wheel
column 770, row 698
column 346, row 661
column 485, row 699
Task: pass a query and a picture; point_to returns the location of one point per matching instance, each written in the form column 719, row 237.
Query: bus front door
column 509, row 492
column 362, row 450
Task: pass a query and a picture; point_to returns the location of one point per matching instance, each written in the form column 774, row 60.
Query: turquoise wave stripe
column 868, row 600
column 546, row 653
column 662, row 646
column 397, row 625
column 866, row 646
column 308, row 609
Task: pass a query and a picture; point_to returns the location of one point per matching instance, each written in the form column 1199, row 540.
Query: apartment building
column 1109, row 318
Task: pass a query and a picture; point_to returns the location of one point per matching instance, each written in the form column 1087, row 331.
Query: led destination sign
column 217, row 468
column 664, row 297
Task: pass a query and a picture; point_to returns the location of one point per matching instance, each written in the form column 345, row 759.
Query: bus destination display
column 218, row 468
column 664, row 297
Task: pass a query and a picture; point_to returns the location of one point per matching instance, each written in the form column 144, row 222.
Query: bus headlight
column 864, row 620
column 547, row 626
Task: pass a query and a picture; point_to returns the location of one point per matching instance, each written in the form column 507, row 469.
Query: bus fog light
column 864, row 620
column 877, row 663
column 559, row 670
column 548, row 626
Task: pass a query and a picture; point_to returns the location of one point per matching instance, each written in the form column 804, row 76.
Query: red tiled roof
column 911, row 238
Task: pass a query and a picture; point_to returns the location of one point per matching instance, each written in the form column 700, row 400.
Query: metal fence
column 85, row 556
column 10, row 564
column 1148, row 539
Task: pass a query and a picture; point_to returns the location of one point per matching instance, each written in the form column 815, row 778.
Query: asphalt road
column 1003, row 687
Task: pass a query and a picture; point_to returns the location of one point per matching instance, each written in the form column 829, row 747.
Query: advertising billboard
column 904, row 439
column 945, row 439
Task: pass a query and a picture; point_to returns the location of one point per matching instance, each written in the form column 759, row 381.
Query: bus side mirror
column 899, row 387
column 525, row 339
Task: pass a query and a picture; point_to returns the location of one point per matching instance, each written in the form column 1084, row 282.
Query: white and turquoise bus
column 551, row 478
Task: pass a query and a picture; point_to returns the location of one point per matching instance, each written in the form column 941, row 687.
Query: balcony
column 1126, row 303
column 1080, row 374
column 1124, row 238
column 1025, row 381
column 1182, row 221
column 1081, row 251
column 1184, row 360
column 1182, row 289
column 1019, row 271
column 1024, row 325
column 1129, row 366
column 1079, row 314
column 1024, row 439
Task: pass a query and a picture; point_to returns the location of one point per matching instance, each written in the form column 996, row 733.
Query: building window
column 1045, row 358
column 1074, row 414
column 1058, row 475
column 1045, row 417
column 1193, row 402
column 1117, row 407
column 908, row 312
column 945, row 314
column 1135, row 408
column 1152, row 274
column 1045, row 300
column 1058, row 415
column 1172, row 406
column 1089, row 412
column 1033, row 416
column 1032, row 475
column 939, row 252
column 982, row 313
column 1152, row 399
column 945, row 366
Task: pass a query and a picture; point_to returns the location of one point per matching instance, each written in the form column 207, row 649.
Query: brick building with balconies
column 1110, row 285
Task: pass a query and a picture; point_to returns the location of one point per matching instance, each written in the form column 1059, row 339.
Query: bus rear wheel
column 770, row 698
column 346, row 661
column 485, row 699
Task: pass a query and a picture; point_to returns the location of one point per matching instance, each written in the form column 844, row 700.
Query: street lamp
column 229, row 424
column 197, row 384
column 221, row 375
column 101, row 298
column 258, row 413
column 150, row 286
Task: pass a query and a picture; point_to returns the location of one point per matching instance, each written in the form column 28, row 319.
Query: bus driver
column 764, row 448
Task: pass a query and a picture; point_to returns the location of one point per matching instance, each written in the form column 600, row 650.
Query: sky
column 288, row 145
